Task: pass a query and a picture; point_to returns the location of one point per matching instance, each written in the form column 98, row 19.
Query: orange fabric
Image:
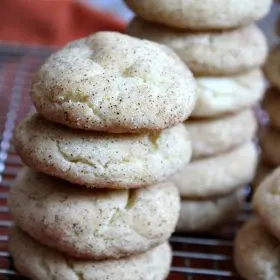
column 51, row 22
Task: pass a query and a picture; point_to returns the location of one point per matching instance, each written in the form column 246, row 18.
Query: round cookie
column 210, row 137
column 266, row 202
column 93, row 224
column 38, row 262
column 101, row 160
column 206, row 215
column 269, row 142
column 208, row 53
column 222, row 95
column 219, row 175
column 263, row 170
column 112, row 82
column 272, row 67
column 271, row 104
column 201, row 15
column 256, row 253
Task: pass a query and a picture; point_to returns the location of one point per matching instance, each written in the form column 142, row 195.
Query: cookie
column 219, row 175
column 206, row 215
column 272, row 67
column 101, row 160
column 214, row 136
column 271, row 104
column 263, row 170
column 201, row 15
column 112, row 82
column 266, row 202
column 208, row 53
column 256, row 253
column 38, row 262
column 269, row 142
column 93, row 224
column 223, row 95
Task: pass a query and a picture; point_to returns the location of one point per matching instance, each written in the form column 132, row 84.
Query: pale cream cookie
column 114, row 83
column 201, row 15
column 38, row 262
column 256, row 253
column 210, row 137
column 208, row 214
column 219, row 175
column 222, row 95
column 101, row 160
column 93, row 224
column 208, row 53
column 266, row 202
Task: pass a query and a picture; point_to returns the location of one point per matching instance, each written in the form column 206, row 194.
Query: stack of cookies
column 257, row 245
column 256, row 252
column 220, row 43
column 270, row 133
column 92, row 203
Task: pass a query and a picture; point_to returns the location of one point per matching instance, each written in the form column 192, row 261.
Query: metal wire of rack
column 196, row 257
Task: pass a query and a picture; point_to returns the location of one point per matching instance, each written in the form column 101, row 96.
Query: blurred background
column 115, row 7
column 54, row 22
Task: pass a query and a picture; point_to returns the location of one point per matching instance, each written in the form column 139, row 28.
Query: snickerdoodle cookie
column 218, row 175
column 267, row 202
column 208, row 53
column 101, row 160
column 201, row 15
column 114, row 83
column 256, row 253
column 93, row 224
column 222, row 95
column 206, row 215
column 214, row 136
column 38, row 262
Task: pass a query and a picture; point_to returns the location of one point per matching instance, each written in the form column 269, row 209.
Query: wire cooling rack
column 196, row 257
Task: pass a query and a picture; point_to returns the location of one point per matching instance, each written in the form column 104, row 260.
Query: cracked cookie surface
column 208, row 53
column 92, row 223
column 101, row 160
column 112, row 82
column 38, row 262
